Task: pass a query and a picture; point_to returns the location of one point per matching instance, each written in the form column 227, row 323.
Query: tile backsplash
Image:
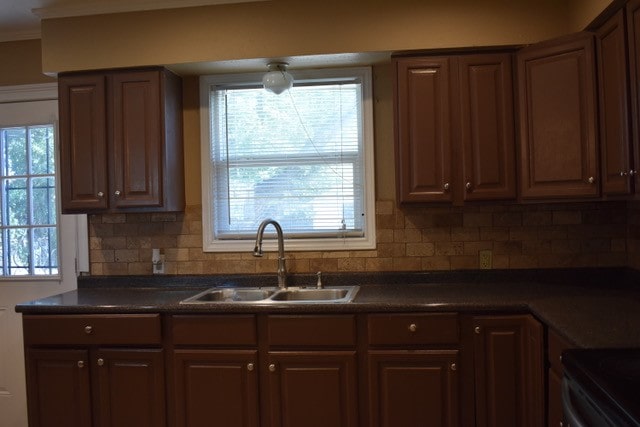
column 408, row 239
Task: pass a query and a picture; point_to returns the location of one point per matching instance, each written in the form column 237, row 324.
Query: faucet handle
column 319, row 282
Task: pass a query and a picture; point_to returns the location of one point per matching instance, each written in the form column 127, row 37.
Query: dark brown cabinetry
column 509, row 382
column 215, row 370
column 71, row 381
column 454, row 136
column 555, row 346
column 557, row 108
column 633, row 37
column 413, row 370
column 121, row 141
column 311, row 376
column 613, row 101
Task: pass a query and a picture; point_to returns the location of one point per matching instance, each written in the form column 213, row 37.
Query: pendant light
column 277, row 79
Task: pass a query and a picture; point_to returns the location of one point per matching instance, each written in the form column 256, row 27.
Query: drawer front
column 413, row 329
column 312, row 331
column 136, row 329
column 557, row 344
column 222, row 330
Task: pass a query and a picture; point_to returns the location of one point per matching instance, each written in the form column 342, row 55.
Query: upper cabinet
column 557, row 109
column 121, row 141
column 454, row 137
column 613, row 103
column 633, row 32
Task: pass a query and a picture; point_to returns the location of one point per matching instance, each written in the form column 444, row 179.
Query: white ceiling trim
column 119, row 6
column 34, row 92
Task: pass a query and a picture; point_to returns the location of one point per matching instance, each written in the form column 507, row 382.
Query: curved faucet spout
column 257, row 250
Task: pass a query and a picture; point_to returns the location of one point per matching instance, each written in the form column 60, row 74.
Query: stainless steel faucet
column 257, row 250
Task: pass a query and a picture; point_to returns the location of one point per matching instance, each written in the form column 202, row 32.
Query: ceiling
column 20, row 19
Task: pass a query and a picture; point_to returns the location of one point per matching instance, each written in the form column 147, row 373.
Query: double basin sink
column 334, row 294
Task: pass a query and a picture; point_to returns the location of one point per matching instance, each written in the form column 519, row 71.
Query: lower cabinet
column 94, row 370
column 311, row 370
column 413, row 388
column 103, row 387
column 509, row 371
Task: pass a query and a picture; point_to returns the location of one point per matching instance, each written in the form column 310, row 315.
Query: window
column 28, row 229
column 303, row 158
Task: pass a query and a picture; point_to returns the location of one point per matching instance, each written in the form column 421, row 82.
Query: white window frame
column 367, row 242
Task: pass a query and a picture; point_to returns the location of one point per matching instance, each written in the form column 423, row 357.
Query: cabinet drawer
column 214, row 330
column 413, row 329
column 312, row 331
column 137, row 329
column 556, row 345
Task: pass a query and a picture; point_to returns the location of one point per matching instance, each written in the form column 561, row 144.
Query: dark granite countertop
column 593, row 308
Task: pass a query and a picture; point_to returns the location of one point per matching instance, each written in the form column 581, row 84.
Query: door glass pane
column 43, row 194
column 15, row 195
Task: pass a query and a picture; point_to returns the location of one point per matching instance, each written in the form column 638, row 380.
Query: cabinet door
column 413, row 388
column 58, row 388
column 83, row 142
column 129, row 385
column 216, row 388
column 614, row 106
column 633, row 33
column 509, row 373
column 558, row 146
column 423, row 130
column 486, row 126
column 313, row 389
column 137, row 145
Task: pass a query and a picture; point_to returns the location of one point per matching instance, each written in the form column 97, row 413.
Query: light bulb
column 277, row 79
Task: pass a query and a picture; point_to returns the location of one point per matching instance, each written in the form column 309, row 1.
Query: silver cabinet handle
column 446, row 186
column 100, row 362
column 100, row 194
column 88, row 330
column 623, row 173
column 468, row 186
column 80, row 363
column 477, row 329
column 633, row 172
column 272, row 367
column 591, row 180
column 413, row 327
column 250, row 367
column 117, row 193
column 453, row 367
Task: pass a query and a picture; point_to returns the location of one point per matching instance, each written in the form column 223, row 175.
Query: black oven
column 601, row 388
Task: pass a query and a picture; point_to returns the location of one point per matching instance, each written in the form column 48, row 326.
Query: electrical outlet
column 485, row 260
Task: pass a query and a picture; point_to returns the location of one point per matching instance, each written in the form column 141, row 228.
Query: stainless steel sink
column 230, row 295
column 307, row 295
column 337, row 294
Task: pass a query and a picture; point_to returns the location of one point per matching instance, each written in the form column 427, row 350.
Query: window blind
column 296, row 157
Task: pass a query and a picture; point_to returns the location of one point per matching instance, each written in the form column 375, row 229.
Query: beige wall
column 582, row 12
column 21, row 63
column 283, row 28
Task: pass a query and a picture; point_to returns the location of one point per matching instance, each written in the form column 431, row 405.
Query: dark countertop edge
column 587, row 276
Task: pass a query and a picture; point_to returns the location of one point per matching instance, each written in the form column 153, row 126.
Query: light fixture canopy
column 277, row 79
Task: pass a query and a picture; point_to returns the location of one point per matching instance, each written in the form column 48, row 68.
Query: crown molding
column 10, row 36
column 120, row 6
column 33, row 92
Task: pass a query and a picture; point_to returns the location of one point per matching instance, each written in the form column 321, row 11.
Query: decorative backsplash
column 409, row 239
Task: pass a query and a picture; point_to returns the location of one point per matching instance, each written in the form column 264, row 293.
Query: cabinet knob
column 454, row 367
column 477, row 329
column 272, row 367
column 100, row 194
column 633, row 172
column 413, row 327
column 100, row 362
column 591, row 180
column 250, row 367
column 88, row 330
column 446, row 186
column 117, row 193
column 468, row 186
column 623, row 173
column 80, row 363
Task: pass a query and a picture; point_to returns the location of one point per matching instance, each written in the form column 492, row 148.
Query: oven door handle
column 572, row 418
